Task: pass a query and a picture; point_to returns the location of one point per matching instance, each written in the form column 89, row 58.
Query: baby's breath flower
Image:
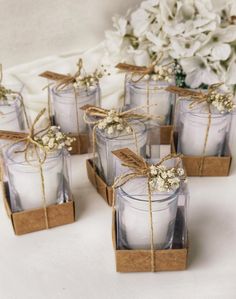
column 222, row 102
column 164, row 179
column 53, row 139
column 113, row 123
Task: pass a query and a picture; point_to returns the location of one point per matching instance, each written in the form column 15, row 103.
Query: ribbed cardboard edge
column 105, row 191
column 140, row 260
column 80, row 145
column 212, row 166
column 34, row 220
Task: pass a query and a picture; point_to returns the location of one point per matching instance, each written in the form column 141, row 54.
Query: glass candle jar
column 105, row 144
column 66, row 116
column 12, row 114
column 24, row 179
column 150, row 92
column 133, row 218
column 193, row 124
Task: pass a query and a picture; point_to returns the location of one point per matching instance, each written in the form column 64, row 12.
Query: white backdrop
column 31, row 29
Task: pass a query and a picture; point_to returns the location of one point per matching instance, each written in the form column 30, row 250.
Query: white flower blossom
column 199, row 34
column 53, row 139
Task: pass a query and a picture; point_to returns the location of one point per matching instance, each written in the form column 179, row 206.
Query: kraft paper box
column 81, row 144
column 34, row 220
column 174, row 259
column 212, row 165
column 166, row 138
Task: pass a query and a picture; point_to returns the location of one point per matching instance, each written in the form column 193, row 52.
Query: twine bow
column 144, row 72
column 4, row 92
column 63, row 81
column 141, row 70
column 196, row 98
column 126, row 116
column 139, row 168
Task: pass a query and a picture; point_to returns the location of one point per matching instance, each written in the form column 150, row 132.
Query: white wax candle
column 137, row 95
column 192, row 133
column 106, row 144
column 135, row 219
column 65, row 108
column 25, row 180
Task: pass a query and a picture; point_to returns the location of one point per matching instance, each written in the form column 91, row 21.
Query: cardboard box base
column 80, row 145
column 140, row 260
column 34, row 220
column 212, row 165
column 166, row 134
column 105, row 191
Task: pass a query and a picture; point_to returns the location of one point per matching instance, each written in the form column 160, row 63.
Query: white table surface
column 76, row 261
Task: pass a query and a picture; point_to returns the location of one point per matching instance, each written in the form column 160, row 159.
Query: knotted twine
column 140, row 168
column 196, row 98
column 4, row 92
column 62, row 82
column 39, row 150
column 127, row 116
column 143, row 72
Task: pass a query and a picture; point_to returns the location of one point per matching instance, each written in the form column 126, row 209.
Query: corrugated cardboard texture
column 34, row 220
column 105, row 191
column 140, row 260
column 80, row 145
column 212, row 165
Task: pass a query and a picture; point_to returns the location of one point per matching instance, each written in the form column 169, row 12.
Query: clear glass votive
column 105, row 144
column 65, row 114
column 24, row 179
column 192, row 130
column 150, row 92
column 133, row 218
column 12, row 114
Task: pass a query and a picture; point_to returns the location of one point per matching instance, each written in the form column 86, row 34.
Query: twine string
column 142, row 170
column 127, row 117
column 41, row 155
column 197, row 98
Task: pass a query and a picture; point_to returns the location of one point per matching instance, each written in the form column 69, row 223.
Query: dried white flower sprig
column 54, row 139
column 213, row 96
column 113, row 123
column 161, row 73
column 153, row 71
column 222, row 102
column 82, row 79
column 165, row 179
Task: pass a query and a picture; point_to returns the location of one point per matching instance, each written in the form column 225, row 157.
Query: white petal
column 155, row 39
column 227, row 34
column 120, row 24
column 140, row 57
column 173, row 29
column 231, row 74
column 193, row 79
column 221, row 52
column 139, row 21
column 190, row 64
